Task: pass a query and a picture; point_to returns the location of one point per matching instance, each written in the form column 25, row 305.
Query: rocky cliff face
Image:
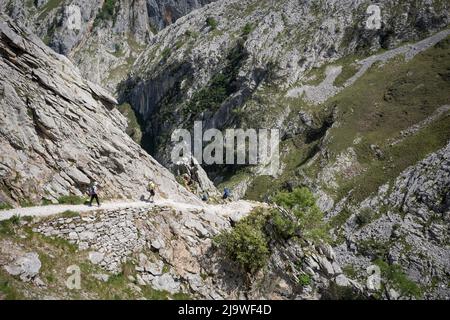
column 363, row 115
column 230, row 63
column 405, row 223
column 164, row 13
column 336, row 90
column 60, row 132
column 102, row 37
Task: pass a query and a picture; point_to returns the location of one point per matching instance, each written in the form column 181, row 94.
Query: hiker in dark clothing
column 93, row 192
column 226, row 194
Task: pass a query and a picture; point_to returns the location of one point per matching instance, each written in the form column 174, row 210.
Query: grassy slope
column 385, row 101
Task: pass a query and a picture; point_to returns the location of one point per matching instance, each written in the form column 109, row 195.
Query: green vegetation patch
column 9, row 227
column 212, row 23
column 308, row 217
column 221, row 86
column 49, row 6
column 133, row 127
column 71, row 199
column 5, row 206
column 395, row 277
column 304, row 280
column 382, row 103
column 8, row 290
column 108, row 12
column 248, row 243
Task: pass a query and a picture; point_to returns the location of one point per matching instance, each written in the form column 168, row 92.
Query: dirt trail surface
column 238, row 207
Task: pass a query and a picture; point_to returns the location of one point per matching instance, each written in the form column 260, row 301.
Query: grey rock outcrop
column 413, row 233
column 60, row 132
column 194, row 177
column 172, row 79
column 163, row 13
column 26, row 267
column 102, row 37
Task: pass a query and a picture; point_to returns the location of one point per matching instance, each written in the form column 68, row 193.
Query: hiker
column 205, row 197
column 151, row 188
column 93, row 193
column 226, row 194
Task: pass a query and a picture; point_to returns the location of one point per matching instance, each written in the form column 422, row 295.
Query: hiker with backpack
column 93, row 193
column 151, row 188
column 226, row 194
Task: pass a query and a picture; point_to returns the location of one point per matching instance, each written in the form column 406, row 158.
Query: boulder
column 26, row 267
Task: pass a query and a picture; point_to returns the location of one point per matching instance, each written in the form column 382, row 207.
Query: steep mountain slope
column 364, row 116
column 60, row 132
column 357, row 109
column 230, row 64
column 102, row 37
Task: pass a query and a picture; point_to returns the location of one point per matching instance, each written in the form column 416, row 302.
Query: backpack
column 92, row 190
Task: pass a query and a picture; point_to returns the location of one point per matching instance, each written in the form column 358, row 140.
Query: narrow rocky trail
column 232, row 208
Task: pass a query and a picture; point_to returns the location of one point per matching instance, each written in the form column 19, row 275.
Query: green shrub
column 350, row 271
column 107, row 12
column 5, row 206
column 46, row 202
column 299, row 198
column 364, row 217
column 70, row 214
column 221, row 86
column 284, row 228
column 15, row 219
column 304, row 280
column 71, row 199
column 212, row 23
column 165, row 54
column 27, row 219
column 309, row 218
column 133, row 127
column 247, row 29
column 191, row 34
column 246, row 244
column 395, row 277
column 26, row 203
column 8, row 227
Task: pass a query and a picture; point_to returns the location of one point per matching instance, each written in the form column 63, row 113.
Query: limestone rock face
column 102, row 37
column 413, row 232
column 173, row 250
column 254, row 57
column 60, row 132
column 194, row 177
